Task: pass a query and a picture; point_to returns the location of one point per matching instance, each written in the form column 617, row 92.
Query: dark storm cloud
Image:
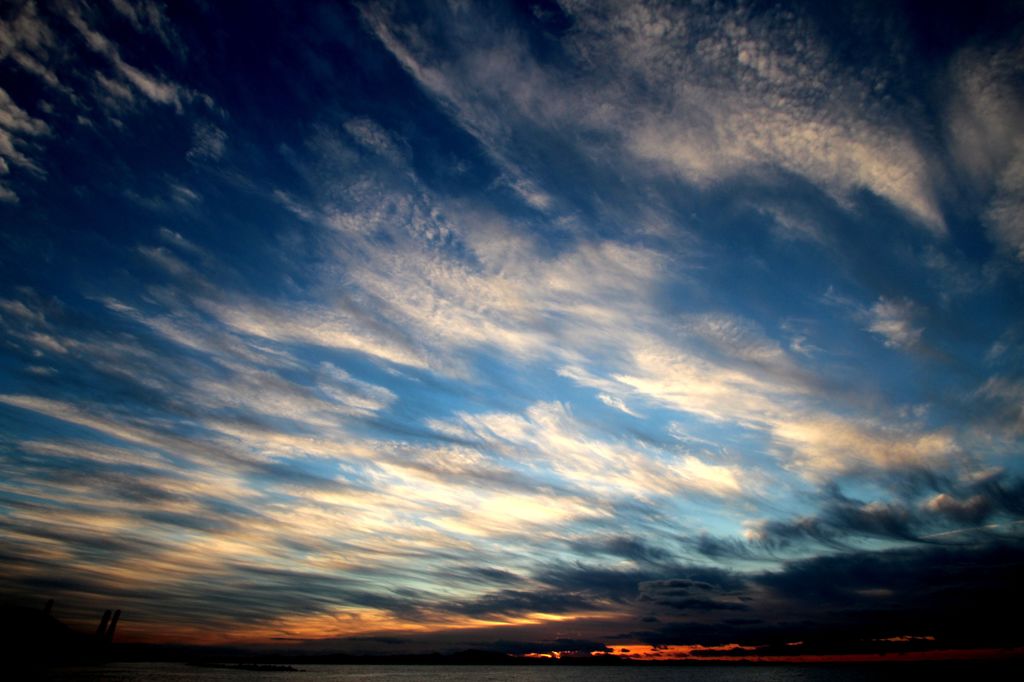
column 522, row 602
column 689, row 595
column 607, row 583
column 840, row 518
column 668, row 586
column 850, row 601
column 727, row 549
column 485, row 575
column 623, row 546
column 932, row 508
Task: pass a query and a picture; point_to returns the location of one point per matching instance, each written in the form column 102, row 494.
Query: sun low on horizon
column 687, row 330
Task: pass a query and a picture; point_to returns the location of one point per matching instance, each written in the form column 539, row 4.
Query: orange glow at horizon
column 730, row 653
column 371, row 622
column 670, row 652
column 343, row 623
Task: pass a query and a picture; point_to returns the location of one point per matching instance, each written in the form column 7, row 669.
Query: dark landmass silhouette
column 35, row 638
column 229, row 657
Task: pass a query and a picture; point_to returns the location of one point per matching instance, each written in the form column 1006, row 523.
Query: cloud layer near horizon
column 553, row 326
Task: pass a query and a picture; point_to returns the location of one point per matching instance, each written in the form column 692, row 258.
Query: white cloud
column 152, row 87
column 177, row 240
column 148, row 16
column 76, row 415
column 1006, row 395
column 985, row 125
column 8, row 195
column 616, row 403
column 510, row 297
column 166, row 259
column 437, row 278
column 17, row 127
column 208, row 142
column 17, row 120
column 549, row 438
column 478, row 282
column 827, row 444
column 359, row 396
column 320, row 325
column 893, row 320
column 734, row 336
column 114, row 92
column 266, row 393
column 27, row 40
column 373, row 137
column 160, row 91
column 473, row 91
column 691, row 383
column 737, row 93
column 707, row 95
column 785, row 409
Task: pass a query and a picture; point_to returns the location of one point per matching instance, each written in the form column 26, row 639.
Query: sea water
column 178, row 672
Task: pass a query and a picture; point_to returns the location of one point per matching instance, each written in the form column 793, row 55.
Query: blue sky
column 535, row 326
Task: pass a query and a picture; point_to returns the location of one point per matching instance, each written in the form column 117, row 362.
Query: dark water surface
column 177, row 672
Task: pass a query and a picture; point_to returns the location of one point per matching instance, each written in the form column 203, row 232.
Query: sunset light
column 539, row 333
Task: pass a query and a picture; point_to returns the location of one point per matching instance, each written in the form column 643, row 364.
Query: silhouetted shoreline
column 478, row 657
column 36, row 639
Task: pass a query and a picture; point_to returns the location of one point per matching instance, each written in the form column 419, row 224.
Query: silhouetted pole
column 101, row 630
column 113, row 625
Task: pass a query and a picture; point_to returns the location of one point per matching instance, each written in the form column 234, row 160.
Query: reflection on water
column 176, row 672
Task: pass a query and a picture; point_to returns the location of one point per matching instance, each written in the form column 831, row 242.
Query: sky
column 546, row 326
